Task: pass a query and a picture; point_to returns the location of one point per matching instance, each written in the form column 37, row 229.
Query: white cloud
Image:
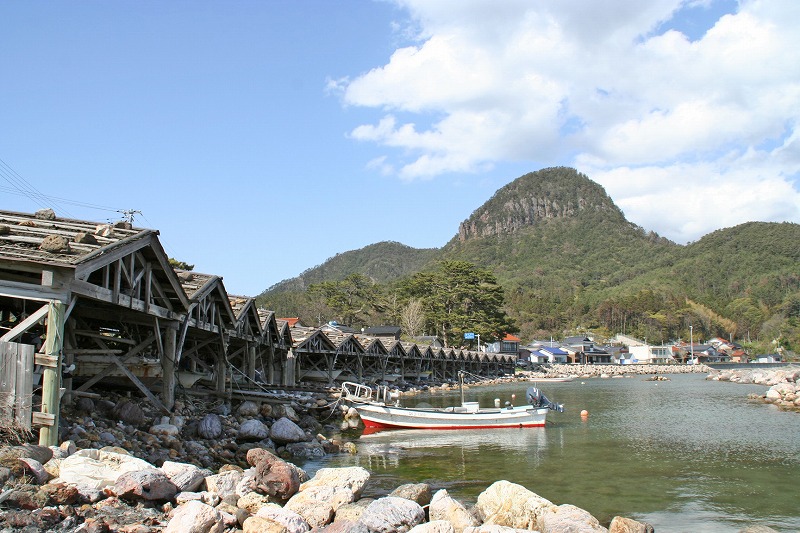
column 660, row 120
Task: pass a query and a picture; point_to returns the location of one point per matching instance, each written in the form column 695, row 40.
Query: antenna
column 128, row 214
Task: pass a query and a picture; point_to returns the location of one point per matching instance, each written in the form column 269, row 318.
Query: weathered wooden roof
column 22, row 235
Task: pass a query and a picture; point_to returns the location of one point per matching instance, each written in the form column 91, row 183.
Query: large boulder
column 392, row 515
column 508, row 504
column 319, row 504
column 444, row 507
column 97, row 469
column 195, row 517
column 225, row 483
column 252, row 430
column 248, row 409
column 628, row 525
column 210, row 427
column 186, row 477
column 273, row 476
column 353, row 478
column 293, row 522
column 284, row 431
column 434, row 526
column 149, row 485
column 569, row 519
column 416, row 492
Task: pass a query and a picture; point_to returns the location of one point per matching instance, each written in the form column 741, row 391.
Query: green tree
column 351, row 299
column 460, row 297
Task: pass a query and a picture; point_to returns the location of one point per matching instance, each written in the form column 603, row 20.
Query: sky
column 261, row 138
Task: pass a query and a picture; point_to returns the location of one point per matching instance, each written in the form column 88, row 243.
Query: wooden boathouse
column 84, row 303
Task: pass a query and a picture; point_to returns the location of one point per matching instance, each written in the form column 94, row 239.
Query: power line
column 20, row 184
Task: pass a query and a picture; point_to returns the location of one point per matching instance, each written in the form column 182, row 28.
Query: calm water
column 686, row 455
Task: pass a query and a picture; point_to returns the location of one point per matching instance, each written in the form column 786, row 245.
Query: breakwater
column 783, row 383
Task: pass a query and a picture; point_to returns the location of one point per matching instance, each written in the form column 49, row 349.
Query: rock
column 248, row 409
column 165, row 430
column 568, row 519
column 5, row 229
column 306, row 450
column 293, row 522
column 273, row 476
column 26, row 497
column 55, row 244
column 186, row 477
column 494, row 528
column 61, row 494
column 210, row 426
column 149, row 485
column 195, row 517
column 252, row 430
column 259, row 524
column 252, row 502
column 97, row 469
column 416, row 492
column 85, row 238
column 627, row 525
column 10, row 454
column 45, row 214
column 352, row 511
column 434, row 526
column 284, row 431
column 392, row 515
column 224, row 484
column 129, row 412
column 317, row 505
column 508, row 504
column 36, row 470
column 265, row 410
column 344, row 526
column 5, row 475
column 444, row 507
column 353, row 478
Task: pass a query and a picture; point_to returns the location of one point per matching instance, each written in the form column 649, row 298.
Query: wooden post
column 168, row 364
column 251, row 361
column 51, row 376
column 288, row 375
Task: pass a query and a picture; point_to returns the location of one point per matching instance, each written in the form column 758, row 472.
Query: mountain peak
column 557, row 192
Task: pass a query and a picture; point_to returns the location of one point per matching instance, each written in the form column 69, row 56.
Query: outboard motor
column 537, row 399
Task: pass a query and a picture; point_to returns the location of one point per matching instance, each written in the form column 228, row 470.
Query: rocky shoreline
column 783, row 383
column 212, row 468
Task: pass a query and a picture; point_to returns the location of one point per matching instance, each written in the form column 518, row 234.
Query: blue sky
column 261, row 138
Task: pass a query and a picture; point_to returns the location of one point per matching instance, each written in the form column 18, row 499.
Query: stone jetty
column 783, row 383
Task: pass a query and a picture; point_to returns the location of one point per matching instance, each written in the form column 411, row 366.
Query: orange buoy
column 584, row 414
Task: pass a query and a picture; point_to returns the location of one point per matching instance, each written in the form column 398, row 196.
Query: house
column 384, row 331
column 581, row 349
column 554, row 354
column 294, row 322
column 336, row 327
column 508, row 344
column 768, row 358
column 648, row 354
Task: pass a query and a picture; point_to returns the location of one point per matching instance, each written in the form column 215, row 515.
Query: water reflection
column 685, row 455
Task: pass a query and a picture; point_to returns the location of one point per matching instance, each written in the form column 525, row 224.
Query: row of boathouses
column 83, row 304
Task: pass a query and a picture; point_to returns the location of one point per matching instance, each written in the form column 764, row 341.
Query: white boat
column 379, row 413
column 562, row 379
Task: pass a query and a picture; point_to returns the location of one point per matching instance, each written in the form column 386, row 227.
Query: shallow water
column 686, row 455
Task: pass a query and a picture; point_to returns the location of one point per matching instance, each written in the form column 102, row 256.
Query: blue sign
column 469, row 336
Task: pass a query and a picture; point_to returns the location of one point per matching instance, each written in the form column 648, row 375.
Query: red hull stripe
column 381, row 425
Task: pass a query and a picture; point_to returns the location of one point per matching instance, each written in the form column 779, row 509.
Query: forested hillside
column 568, row 261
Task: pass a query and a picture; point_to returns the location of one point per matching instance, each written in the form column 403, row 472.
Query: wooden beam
column 142, row 387
column 110, row 368
column 26, row 324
